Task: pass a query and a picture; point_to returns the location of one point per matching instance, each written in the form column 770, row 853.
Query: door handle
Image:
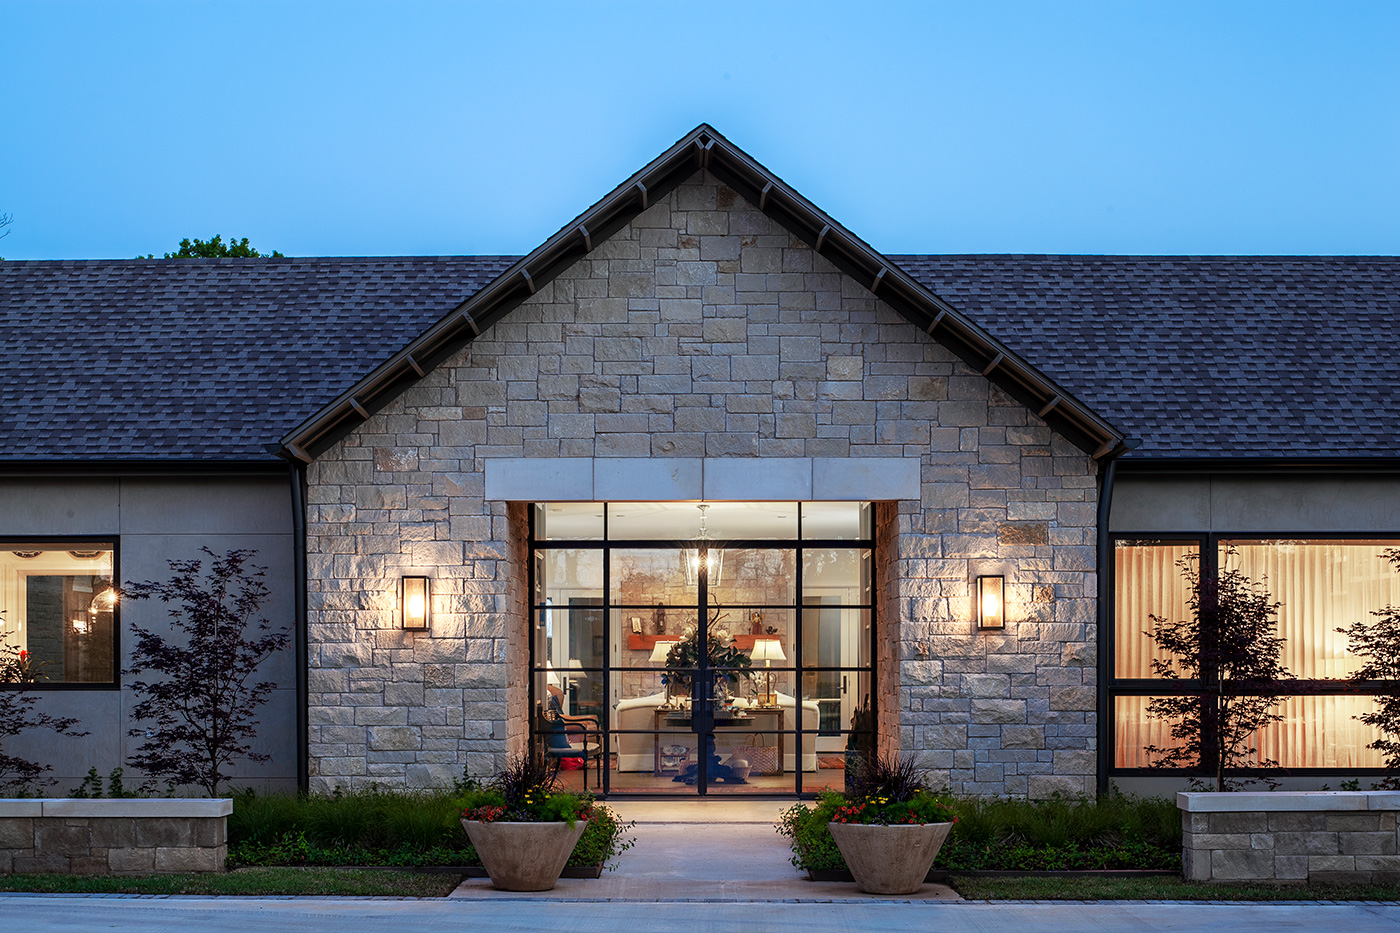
column 843, row 684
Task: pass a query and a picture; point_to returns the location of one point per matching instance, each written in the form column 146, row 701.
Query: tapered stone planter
column 889, row 859
column 524, row 856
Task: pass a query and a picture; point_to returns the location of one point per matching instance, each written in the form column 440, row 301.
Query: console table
column 767, row 722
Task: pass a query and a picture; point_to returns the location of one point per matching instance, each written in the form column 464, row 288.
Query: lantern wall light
column 414, row 608
column 989, row 602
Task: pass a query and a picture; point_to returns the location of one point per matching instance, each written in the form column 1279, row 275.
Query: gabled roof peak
column 705, row 149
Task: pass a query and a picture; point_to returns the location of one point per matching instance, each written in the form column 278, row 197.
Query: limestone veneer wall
column 119, row 837
column 1342, row 837
column 703, row 330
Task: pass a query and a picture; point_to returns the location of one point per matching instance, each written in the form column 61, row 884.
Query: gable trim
column 700, row 150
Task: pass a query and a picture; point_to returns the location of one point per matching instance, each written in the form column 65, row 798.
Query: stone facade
column 113, row 837
column 704, row 330
column 1295, row 837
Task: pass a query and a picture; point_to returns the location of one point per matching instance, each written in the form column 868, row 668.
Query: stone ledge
column 20, row 808
column 1276, row 801
column 172, row 808
column 595, row 479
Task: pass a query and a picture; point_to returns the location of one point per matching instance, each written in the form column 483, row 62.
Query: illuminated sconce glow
column 991, row 611
column 414, row 604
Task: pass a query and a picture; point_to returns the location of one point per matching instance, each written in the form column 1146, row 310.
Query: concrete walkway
column 700, row 850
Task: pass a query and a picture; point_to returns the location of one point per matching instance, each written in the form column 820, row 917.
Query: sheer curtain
column 1149, row 582
column 1320, row 585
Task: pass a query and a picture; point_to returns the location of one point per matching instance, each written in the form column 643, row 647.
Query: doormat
column 831, row 762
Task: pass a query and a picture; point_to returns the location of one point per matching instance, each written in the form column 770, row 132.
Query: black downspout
column 298, row 480
column 1105, row 559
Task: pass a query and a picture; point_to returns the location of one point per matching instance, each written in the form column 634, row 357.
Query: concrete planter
column 524, row 856
column 114, row 836
column 889, row 859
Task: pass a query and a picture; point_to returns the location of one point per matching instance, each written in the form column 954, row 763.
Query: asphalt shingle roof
column 213, row 359
column 1245, row 356
column 205, row 359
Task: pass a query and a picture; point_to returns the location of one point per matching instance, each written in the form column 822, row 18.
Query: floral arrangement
column 887, row 791
column 526, row 792
column 21, row 668
column 882, row 811
column 724, row 660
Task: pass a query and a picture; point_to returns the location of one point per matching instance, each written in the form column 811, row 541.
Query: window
column 57, row 603
column 1321, row 585
column 758, row 615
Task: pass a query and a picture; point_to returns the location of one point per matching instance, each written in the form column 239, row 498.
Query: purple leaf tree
column 18, row 671
column 198, row 713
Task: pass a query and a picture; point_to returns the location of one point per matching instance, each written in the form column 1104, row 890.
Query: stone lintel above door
column 618, row 479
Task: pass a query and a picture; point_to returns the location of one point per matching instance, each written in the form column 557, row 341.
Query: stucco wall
column 703, row 330
column 1288, row 503
column 157, row 519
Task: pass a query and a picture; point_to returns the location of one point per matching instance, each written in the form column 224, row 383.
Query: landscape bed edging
column 123, row 836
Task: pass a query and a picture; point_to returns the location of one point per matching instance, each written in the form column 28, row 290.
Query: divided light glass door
column 711, row 648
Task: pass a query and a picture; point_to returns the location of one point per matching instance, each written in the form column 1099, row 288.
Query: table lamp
column 768, row 649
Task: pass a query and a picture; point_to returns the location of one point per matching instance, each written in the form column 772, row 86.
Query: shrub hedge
column 379, row 827
column 1060, row 834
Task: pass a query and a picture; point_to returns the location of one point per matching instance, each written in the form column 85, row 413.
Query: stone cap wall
column 1295, row 800
column 1333, row 837
column 116, row 808
column 120, row 836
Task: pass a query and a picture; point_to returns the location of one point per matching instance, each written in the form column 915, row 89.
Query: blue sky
column 433, row 128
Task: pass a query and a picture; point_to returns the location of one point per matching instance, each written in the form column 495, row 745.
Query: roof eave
column 705, row 149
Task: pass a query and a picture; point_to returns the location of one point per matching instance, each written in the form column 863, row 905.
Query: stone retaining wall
column 1345, row 837
column 113, row 837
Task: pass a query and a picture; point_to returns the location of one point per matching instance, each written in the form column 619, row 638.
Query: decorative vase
column 524, row 856
column 889, row 859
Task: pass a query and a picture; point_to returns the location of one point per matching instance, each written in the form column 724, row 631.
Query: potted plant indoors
column 889, row 826
column 523, row 828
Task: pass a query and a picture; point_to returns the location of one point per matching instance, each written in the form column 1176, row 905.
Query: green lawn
column 247, row 881
column 1159, row 889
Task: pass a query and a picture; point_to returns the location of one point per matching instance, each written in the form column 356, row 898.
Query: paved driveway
column 44, row 913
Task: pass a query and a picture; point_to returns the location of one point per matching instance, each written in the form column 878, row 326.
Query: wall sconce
column 991, row 608
column 413, row 606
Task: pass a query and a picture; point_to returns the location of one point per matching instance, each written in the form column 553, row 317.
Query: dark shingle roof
column 1245, row 356
column 213, row 359
column 205, row 359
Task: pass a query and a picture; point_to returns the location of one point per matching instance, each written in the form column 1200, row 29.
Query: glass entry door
column 711, row 648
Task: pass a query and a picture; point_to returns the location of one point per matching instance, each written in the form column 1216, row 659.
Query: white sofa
column 636, row 750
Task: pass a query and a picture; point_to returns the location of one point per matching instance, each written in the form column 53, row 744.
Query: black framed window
column 1321, row 582
column 58, row 605
column 788, row 585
